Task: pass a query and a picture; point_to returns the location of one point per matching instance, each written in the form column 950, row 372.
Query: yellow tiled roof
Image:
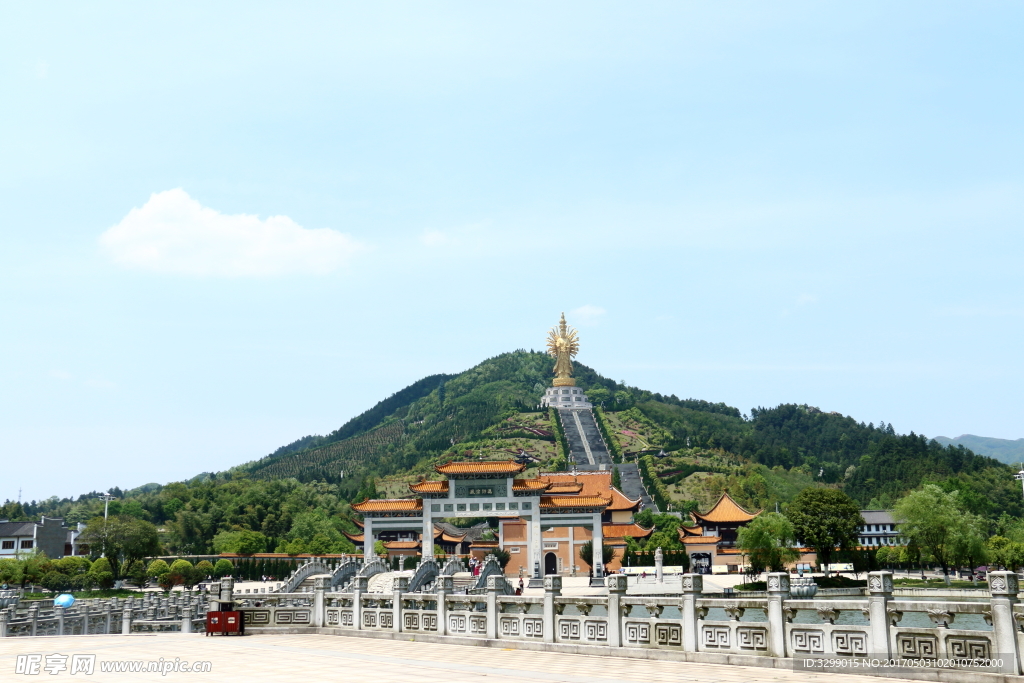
column 725, row 511
column 574, row 501
column 429, row 487
column 481, row 467
column 389, row 505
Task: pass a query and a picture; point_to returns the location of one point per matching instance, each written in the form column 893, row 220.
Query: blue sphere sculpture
column 64, row 600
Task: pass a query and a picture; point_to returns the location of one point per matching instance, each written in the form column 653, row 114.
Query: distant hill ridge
column 1008, row 451
column 444, row 416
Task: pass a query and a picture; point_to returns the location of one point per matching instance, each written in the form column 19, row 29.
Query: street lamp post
column 107, row 497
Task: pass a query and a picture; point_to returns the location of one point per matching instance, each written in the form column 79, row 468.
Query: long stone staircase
column 586, row 446
column 589, row 451
column 629, row 474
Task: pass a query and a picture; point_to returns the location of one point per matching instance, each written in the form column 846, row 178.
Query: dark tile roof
column 8, row 529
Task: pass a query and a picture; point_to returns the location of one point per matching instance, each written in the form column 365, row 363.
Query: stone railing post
column 552, row 589
column 126, row 620
column 359, row 587
column 1003, row 587
column 401, row 586
column 109, row 609
column 693, row 586
column 33, row 615
column 227, row 589
column 4, row 616
column 319, row 587
column 495, row 583
column 186, row 619
column 60, row 620
column 778, row 592
column 617, row 585
column 445, row 586
column 879, row 595
column 659, row 562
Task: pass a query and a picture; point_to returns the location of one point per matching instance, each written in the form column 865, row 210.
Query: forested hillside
column 690, row 451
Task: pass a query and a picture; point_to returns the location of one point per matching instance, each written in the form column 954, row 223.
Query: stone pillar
column 3, row 623
column 227, row 589
column 617, row 584
column 319, row 588
column 401, row 586
column 359, row 586
column 659, row 562
column 60, row 620
column 368, row 540
column 33, row 615
column 552, row 589
column 598, row 543
column 495, row 584
column 693, row 586
column 445, row 586
column 879, row 595
column 109, row 615
column 427, row 544
column 536, row 545
column 1003, row 587
column 778, row 591
column 126, row 620
column 186, row 619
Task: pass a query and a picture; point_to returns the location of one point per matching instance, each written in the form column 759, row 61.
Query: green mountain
column 704, row 448
column 1003, row 450
column 689, row 451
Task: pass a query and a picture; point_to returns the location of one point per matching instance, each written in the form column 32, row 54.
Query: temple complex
column 542, row 521
column 711, row 538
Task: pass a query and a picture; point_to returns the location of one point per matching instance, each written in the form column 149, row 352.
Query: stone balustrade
column 776, row 625
column 149, row 612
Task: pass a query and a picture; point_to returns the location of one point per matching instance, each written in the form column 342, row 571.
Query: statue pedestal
column 565, row 397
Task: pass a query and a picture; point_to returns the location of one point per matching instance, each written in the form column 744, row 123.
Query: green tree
column 204, row 569
column 617, row 478
column 825, row 519
column 768, row 541
column 586, row 553
column 122, row 539
column 223, row 567
column 136, row 573
column 320, row 545
column 102, row 574
column 156, row 568
column 935, row 521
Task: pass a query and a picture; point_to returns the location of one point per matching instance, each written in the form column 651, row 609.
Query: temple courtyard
column 324, row 657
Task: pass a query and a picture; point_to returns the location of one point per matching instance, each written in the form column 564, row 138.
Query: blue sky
column 225, row 226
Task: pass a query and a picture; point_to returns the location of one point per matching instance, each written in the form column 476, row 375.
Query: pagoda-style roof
column 725, row 511
column 620, row 501
column 429, row 487
column 402, row 545
column 389, row 505
column 623, row 530
column 565, row 488
column 557, row 502
column 529, row 485
column 701, row 540
column 448, row 538
column 355, row 538
column 495, row 467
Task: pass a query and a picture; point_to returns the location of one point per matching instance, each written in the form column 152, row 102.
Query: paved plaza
column 258, row 658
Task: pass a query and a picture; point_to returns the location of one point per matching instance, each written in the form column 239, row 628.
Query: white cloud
column 586, row 314
column 173, row 233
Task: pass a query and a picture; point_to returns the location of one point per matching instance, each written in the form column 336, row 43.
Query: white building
column 879, row 529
